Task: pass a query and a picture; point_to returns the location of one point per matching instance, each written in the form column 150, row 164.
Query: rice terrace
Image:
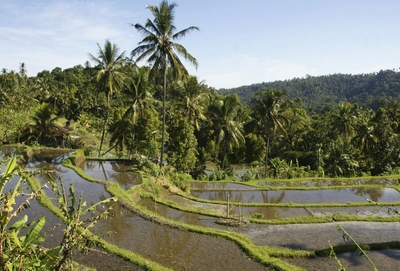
column 132, row 161
column 293, row 224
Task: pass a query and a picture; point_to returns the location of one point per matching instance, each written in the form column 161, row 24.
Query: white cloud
column 246, row 70
column 61, row 34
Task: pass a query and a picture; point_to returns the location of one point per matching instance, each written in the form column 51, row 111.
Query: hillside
column 370, row 90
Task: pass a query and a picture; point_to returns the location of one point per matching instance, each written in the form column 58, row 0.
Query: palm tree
column 138, row 93
column 343, row 121
column 122, row 134
column 110, row 77
column 224, row 113
column 194, row 98
column 267, row 108
column 365, row 137
column 160, row 49
column 44, row 119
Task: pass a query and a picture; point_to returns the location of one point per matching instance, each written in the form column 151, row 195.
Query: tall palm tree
column 110, row 77
column 161, row 51
column 224, row 114
column 267, row 108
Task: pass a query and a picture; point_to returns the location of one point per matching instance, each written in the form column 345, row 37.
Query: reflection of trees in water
column 268, row 212
column 115, row 171
column 124, row 175
column 374, row 193
column 238, row 196
column 222, row 195
column 117, row 224
column 90, row 165
column 278, row 199
column 49, row 172
column 171, row 245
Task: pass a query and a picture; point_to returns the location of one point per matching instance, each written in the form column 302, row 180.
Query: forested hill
column 369, row 90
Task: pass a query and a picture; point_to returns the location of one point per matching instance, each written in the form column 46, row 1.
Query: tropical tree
column 161, row 51
column 267, row 109
column 192, row 98
column 296, row 124
column 343, row 120
column 110, row 77
column 225, row 118
column 182, row 144
column 138, row 93
column 44, row 119
column 122, row 133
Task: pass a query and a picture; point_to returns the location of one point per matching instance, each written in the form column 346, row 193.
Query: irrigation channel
column 274, row 203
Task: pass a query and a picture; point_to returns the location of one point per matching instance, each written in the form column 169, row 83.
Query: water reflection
column 303, row 196
column 180, row 250
column 219, row 186
column 373, row 194
column 327, row 183
column 118, row 171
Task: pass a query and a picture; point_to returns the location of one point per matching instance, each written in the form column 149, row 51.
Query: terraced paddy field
column 292, row 225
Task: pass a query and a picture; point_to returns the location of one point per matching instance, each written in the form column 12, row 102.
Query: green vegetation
column 201, row 125
column 293, row 132
column 20, row 241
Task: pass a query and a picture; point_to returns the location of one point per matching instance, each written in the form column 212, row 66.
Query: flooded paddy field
column 343, row 195
column 184, row 250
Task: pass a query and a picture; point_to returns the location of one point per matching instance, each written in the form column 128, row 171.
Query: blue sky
column 240, row 42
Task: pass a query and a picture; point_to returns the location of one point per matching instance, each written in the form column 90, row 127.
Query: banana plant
column 19, row 251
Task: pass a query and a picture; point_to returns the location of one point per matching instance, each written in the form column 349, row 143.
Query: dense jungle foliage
column 203, row 125
column 369, row 90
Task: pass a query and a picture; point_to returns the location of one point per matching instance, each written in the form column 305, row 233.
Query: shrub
column 181, row 180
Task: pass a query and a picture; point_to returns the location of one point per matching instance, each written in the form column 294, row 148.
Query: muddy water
column 220, row 186
column 191, row 218
column 118, row 171
column 311, row 237
column 304, row 196
column 176, row 249
column 327, row 183
column 194, row 252
column 173, row 248
column 384, row 260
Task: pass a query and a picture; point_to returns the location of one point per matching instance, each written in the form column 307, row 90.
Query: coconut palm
column 122, row 133
column 138, row 93
column 343, row 121
column 267, row 108
column 44, row 119
column 161, row 51
column 110, row 77
column 192, row 98
column 224, row 115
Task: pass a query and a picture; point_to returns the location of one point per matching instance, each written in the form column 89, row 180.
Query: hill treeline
column 369, row 90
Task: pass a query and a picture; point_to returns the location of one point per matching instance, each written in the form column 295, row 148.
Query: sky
column 240, row 42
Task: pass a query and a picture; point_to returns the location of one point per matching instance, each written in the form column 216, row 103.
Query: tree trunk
column 266, row 159
column 105, row 124
column 163, row 117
